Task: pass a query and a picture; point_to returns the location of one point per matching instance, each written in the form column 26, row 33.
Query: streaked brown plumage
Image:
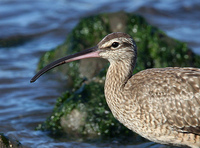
column 160, row 104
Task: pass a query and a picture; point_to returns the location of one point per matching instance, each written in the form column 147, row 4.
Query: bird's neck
column 119, row 73
column 117, row 76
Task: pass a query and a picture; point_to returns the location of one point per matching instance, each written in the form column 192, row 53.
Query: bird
column 160, row 104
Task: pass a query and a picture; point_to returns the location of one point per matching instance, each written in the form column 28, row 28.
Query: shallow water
column 46, row 24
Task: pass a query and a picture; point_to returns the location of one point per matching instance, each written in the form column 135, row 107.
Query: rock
column 15, row 40
column 6, row 142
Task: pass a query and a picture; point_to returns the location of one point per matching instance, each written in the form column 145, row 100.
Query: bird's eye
column 115, row 44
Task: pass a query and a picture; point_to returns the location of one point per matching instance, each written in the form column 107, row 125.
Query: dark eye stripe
column 124, row 44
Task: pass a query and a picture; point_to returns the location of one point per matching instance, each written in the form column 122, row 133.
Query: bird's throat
column 118, row 74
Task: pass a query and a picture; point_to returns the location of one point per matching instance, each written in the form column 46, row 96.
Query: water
column 46, row 24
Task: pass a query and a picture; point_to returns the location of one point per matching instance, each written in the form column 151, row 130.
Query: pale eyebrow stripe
column 106, row 43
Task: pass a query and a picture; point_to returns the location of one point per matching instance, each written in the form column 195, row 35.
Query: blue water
column 46, row 23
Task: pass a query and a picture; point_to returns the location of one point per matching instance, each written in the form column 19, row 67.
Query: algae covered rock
column 82, row 112
column 6, row 142
column 84, row 115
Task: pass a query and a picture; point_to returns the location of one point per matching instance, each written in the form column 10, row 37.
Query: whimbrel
column 160, row 104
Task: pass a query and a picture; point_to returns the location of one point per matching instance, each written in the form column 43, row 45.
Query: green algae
column 156, row 49
column 98, row 122
column 86, row 98
column 86, row 34
column 6, row 142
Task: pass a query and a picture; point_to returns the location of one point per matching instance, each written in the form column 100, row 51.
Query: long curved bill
column 88, row 53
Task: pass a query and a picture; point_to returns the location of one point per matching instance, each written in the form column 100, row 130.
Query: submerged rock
column 6, row 142
column 82, row 111
column 14, row 41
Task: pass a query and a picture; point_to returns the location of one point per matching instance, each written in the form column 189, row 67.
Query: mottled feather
column 161, row 104
column 172, row 92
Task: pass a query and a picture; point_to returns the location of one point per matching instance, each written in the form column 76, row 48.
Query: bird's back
column 166, row 99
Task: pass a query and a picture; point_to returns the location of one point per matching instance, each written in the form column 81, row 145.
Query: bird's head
column 117, row 46
column 114, row 47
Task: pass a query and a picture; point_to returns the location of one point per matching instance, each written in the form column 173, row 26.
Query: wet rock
column 83, row 103
column 6, row 142
column 14, row 40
